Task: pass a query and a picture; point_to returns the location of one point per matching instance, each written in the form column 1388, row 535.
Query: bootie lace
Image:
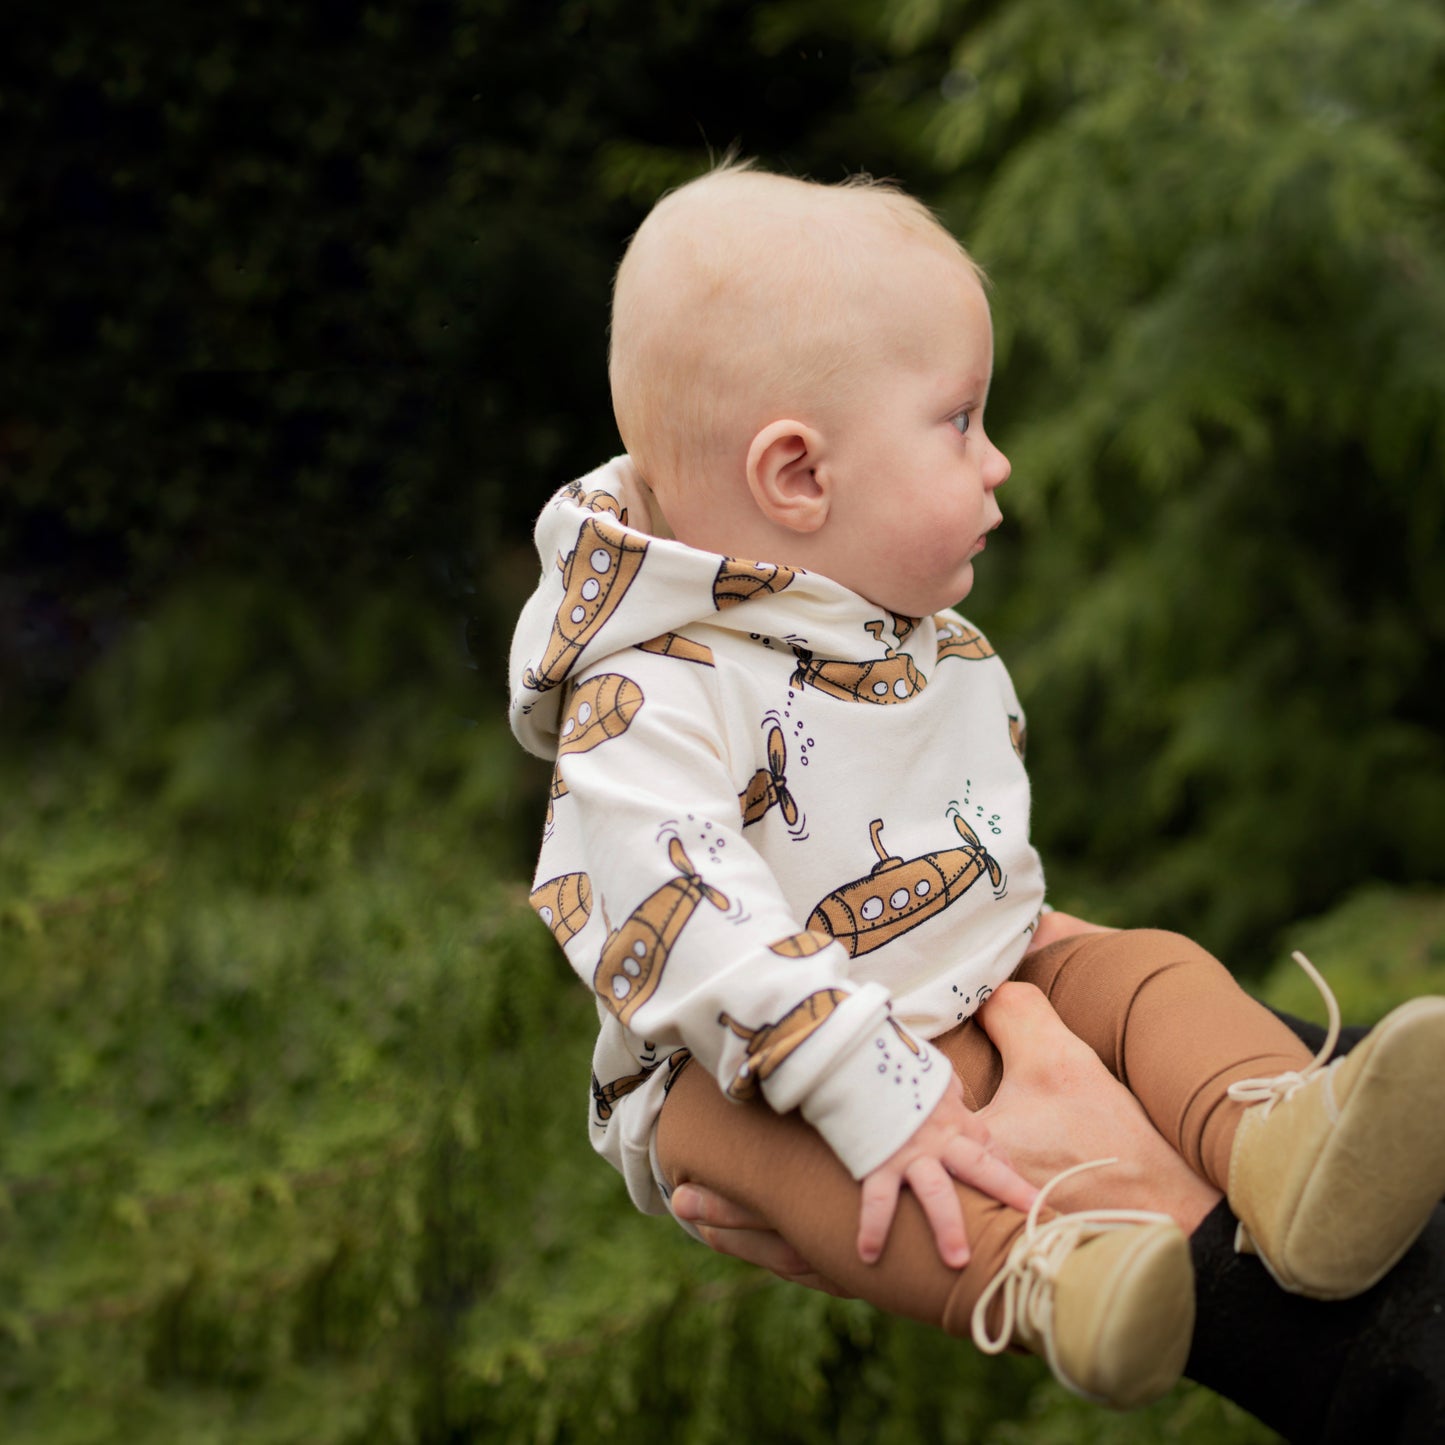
column 1026, row 1282
column 1279, row 1087
column 1275, row 1089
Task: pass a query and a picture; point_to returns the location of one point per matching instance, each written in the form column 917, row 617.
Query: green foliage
column 288, row 1147
column 375, row 339
column 237, row 675
column 286, row 1163
column 310, row 308
column 1391, row 941
column 292, row 1101
column 1215, row 237
column 318, row 293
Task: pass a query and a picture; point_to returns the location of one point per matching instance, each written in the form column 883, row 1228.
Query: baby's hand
column 950, row 1144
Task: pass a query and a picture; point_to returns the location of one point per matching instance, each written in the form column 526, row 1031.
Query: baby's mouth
column 982, row 542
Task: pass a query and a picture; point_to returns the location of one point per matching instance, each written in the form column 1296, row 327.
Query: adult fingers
column 1030, row 1037
column 733, row 1229
column 700, row 1205
column 823, row 1283
column 763, row 1247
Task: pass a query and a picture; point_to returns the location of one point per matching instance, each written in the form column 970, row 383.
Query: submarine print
column 899, row 894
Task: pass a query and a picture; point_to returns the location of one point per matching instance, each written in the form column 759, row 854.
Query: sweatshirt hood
column 608, row 584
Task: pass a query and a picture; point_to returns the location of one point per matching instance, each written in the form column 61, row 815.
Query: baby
column 787, row 843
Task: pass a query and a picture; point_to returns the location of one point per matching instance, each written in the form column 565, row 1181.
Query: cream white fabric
column 788, row 833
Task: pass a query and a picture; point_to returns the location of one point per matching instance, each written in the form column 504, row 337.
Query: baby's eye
column 959, row 422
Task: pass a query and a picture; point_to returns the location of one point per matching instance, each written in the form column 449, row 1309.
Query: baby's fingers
column 875, row 1217
column 934, row 1189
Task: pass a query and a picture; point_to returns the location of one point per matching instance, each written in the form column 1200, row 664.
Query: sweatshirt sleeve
column 690, row 941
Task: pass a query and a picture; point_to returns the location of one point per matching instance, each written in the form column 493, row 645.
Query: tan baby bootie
column 1106, row 1296
column 1336, row 1168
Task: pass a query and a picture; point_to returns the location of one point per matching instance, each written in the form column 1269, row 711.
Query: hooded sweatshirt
column 787, row 835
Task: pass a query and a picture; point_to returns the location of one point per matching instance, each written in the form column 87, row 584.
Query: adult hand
column 1058, row 1106
column 731, row 1228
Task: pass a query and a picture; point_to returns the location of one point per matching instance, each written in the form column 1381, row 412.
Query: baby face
column 913, row 470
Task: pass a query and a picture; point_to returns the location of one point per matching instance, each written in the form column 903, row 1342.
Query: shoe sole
column 1143, row 1322
column 1381, row 1162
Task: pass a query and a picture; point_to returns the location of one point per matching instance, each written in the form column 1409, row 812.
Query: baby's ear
column 782, row 475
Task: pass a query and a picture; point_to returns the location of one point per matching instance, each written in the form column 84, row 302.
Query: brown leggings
column 1166, row 1018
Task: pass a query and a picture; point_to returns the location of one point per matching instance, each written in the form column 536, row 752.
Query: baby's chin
column 923, row 602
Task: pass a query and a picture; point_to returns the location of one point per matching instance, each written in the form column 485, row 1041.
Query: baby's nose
column 1000, row 470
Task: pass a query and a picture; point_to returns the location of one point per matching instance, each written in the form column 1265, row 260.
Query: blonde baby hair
column 736, row 301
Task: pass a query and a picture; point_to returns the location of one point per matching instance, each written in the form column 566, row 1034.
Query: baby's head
column 799, row 373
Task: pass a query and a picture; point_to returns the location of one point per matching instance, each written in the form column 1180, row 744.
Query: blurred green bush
column 293, row 1085
column 317, row 298
column 306, row 315
column 292, row 1099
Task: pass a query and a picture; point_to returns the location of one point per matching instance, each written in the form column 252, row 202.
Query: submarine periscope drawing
column 892, row 678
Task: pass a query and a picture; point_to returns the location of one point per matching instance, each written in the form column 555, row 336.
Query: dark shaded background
column 312, row 299
column 318, row 293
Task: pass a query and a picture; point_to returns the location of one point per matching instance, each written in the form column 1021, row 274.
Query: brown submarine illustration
column 898, row 895
column 635, row 954
column 891, row 678
column 564, row 904
column 801, row 945
column 903, row 627
column 957, row 639
column 768, row 787
column 738, row 580
column 556, row 789
column 770, row 1044
column 595, row 501
column 604, row 1096
column 600, row 708
column 596, row 575
column 673, row 644
column 1018, row 734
